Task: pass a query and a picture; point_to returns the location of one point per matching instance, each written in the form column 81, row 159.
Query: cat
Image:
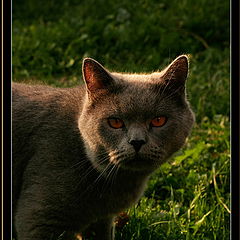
column 82, row 155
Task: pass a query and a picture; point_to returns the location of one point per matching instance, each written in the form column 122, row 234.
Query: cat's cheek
column 90, row 132
column 167, row 141
column 177, row 143
column 110, row 138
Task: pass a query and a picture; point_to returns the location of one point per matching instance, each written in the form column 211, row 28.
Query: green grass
column 188, row 197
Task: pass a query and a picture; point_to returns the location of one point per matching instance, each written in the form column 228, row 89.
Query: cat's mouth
column 138, row 161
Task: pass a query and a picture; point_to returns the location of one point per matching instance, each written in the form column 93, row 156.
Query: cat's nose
column 137, row 144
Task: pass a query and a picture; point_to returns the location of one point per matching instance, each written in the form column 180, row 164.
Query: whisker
column 89, row 170
column 108, row 177
column 80, row 163
column 96, row 180
column 114, row 175
column 102, row 173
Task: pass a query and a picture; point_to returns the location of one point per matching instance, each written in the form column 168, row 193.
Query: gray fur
column 72, row 172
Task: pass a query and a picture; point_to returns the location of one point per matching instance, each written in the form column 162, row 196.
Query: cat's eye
column 158, row 121
column 115, row 123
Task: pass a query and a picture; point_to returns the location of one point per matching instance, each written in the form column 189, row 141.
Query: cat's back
column 25, row 94
column 35, row 100
column 39, row 109
column 28, row 104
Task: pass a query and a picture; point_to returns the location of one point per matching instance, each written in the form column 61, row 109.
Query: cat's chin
column 139, row 163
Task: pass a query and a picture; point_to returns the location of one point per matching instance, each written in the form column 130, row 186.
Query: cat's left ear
column 95, row 76
column 177, row 71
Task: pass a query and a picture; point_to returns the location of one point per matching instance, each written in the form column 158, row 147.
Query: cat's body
column 74, row 169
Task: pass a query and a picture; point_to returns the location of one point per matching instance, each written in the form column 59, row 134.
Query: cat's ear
column 95, row 76
column 177, row 71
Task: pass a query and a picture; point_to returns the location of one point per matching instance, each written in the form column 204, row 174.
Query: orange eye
column 158, row 121
column 115, row 123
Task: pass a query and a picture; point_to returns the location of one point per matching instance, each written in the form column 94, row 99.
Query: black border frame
column 6, row 119
column 235, row 118
column 6, row 28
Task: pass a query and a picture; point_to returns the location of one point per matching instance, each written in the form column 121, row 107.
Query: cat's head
column 134, row 121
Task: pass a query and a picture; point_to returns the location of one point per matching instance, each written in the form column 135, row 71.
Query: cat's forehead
column 137, row 99
column 139, row 85
column 144, row 88
column 138, row 78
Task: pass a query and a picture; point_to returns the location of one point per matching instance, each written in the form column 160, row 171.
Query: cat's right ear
column 96, row 77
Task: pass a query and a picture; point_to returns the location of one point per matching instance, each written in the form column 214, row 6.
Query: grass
column 188, row 197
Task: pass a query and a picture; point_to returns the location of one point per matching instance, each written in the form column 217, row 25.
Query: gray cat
column 82, row 155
